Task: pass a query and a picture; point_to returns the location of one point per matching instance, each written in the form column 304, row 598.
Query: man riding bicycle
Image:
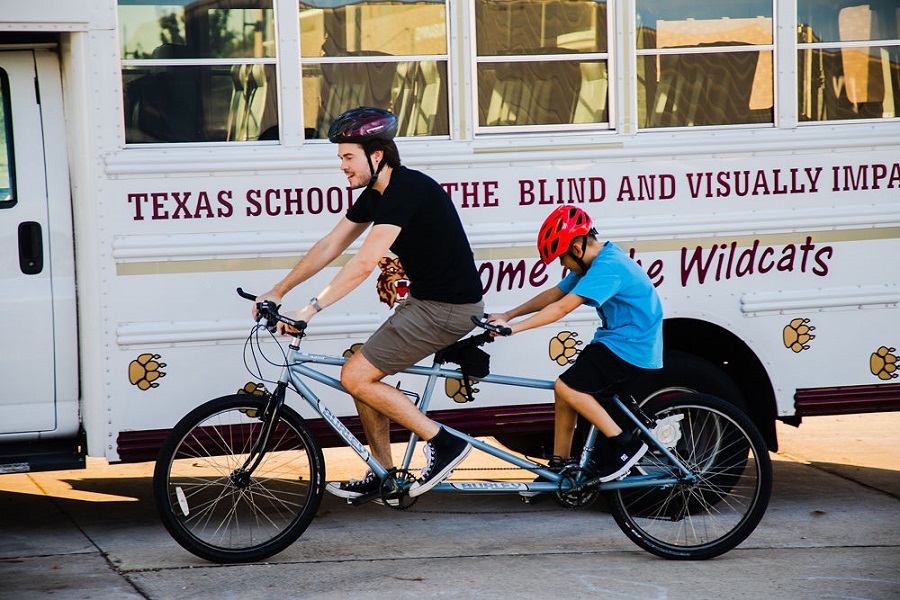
column 411, row 215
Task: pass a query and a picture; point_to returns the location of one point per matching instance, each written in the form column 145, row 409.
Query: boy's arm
column 550, row 313
column 535, row 304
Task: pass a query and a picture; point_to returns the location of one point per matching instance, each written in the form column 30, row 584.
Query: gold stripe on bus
column 512, row 252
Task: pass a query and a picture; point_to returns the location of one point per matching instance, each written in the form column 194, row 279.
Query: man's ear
column 377, row 156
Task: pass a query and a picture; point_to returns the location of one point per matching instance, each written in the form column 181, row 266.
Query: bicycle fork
column 241, row 475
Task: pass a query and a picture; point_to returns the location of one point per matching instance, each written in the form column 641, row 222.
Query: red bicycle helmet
column 359, row 125
column 559, row 229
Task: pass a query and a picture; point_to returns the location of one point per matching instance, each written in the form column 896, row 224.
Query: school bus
column 157, row 154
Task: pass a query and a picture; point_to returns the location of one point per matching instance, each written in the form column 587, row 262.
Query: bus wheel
column 684, row 372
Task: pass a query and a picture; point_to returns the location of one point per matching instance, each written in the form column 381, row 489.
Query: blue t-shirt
column 627, row 303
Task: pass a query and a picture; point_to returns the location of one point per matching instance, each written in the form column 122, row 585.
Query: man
column 412, row 216
column 628, row 341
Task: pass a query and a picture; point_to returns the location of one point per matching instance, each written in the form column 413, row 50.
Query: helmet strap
column 375, row 172
column 579, row 260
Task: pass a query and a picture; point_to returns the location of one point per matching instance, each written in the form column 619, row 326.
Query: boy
column 628, row 341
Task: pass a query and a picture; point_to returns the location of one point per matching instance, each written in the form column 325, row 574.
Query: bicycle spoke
column 215, row 508
column 724, row 502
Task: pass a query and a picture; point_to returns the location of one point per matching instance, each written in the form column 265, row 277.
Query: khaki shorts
column 416, row 329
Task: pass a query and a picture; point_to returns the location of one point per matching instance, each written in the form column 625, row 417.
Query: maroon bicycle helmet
column 360, row 125
column 559, row 229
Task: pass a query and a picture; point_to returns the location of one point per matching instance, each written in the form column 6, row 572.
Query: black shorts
column 599, row 371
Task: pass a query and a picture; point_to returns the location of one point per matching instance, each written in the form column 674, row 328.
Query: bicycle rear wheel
column 218, row 511
column 726, row 453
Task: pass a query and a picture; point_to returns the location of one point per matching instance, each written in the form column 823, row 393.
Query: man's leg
column 378, row 404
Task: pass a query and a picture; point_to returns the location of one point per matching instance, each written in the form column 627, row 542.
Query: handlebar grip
column 498, row 329
column 268, row 310
column 245, row 295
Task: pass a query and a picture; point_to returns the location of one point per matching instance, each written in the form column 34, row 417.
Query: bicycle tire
column 215, row 513
column 728, row 456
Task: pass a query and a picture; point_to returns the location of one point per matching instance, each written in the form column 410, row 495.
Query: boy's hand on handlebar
column 495, row 329
column 498, row 320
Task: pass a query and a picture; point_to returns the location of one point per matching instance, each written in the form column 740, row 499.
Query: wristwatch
column 314, row 302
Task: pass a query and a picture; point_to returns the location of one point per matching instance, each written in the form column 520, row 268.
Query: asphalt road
column 832, row 531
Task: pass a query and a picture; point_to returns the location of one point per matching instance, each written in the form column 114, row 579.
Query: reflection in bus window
column 542, row 63
column 176, row 87
column 839, row 75
column 705, row 64
column 7, row 164
column 390, row 55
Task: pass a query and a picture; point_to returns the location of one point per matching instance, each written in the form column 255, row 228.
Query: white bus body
column 142, row 185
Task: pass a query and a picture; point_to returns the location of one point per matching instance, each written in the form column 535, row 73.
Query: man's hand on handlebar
column 270, row 295
column 265, row 307
column 304, row 314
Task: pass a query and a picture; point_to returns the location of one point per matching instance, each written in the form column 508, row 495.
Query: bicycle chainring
column 575, row 496
column 395, row 489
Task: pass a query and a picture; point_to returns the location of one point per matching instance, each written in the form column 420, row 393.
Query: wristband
column 314, row 302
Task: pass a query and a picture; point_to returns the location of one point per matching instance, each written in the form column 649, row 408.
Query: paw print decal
column 883, row 363
column 564, row 347
column 255, row 389
column 352, row 350
column 797, row 334
column 456, row 391
column 145, row 370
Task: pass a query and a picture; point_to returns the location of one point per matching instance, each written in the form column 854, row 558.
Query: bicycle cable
column 253, row 344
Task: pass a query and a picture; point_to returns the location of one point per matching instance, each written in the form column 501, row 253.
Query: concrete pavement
column 831, row 531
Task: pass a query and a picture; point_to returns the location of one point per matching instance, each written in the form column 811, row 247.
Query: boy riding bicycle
column 628, row 341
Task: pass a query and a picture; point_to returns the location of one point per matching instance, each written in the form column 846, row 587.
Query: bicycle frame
column 297, row 368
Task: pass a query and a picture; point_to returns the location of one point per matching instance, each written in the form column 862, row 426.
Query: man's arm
column 319, row 256
column 377, row 243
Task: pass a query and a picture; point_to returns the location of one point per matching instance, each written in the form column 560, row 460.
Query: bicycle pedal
column 359, row 500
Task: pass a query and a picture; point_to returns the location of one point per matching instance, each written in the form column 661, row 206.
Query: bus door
column 28, row 348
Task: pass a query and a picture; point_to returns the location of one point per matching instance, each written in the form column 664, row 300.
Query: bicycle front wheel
column 219, row 510
column 728, row 457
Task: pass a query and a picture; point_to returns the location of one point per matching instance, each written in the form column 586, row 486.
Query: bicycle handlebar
column 498, row 329
column 268, row 310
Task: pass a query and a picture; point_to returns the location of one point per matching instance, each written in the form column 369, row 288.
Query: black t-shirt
column 432, row 245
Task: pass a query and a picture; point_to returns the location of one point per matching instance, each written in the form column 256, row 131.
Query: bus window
column 7, row 164
column 840, row 75
column 701, row 63
column 176, row 85
column 541, row 63
column 390, row 55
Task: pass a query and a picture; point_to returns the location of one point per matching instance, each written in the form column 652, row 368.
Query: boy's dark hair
column 391, row 154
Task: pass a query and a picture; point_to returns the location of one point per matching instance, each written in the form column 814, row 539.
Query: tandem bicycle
column 241, row 477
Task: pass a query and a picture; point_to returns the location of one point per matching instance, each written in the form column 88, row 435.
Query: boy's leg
column 597, row 370
column 569, row 404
